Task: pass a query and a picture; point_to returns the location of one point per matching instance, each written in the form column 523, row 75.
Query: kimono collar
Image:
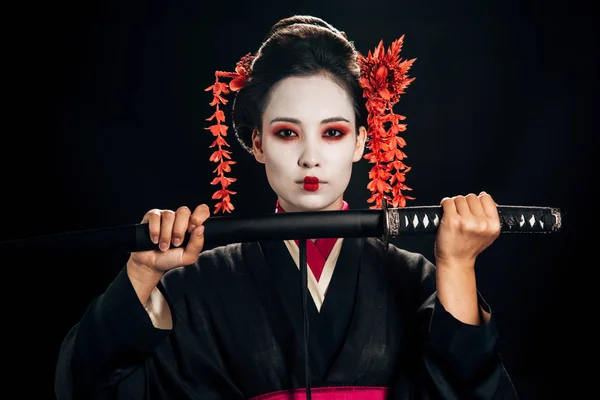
column 318, row 251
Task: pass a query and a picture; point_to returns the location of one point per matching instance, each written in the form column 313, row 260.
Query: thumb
column 194, row 247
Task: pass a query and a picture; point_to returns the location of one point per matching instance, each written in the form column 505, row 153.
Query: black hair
column 297, row 46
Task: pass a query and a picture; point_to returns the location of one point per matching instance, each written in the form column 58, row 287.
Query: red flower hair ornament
column 383, row 77
column 219, row 130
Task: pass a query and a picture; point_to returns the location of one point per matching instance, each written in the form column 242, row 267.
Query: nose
column 309, row 157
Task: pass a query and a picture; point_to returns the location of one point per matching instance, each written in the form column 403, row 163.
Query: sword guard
column 385, row 236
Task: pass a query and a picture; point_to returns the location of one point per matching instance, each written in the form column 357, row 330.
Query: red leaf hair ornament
column 384, row 77
column 221, row 155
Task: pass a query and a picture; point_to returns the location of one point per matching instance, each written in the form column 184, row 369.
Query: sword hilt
column 513, row 219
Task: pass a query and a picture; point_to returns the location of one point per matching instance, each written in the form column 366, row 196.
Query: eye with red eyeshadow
column 285, row 133
column 334, row 133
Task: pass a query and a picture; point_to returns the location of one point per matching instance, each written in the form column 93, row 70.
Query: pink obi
column 329, row 393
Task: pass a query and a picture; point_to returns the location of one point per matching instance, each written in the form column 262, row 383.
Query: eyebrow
column 297, row 121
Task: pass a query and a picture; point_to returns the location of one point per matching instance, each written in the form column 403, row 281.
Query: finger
column 200, row 214
column 152, row 218
column 475, row 205
column 448, row 206
column 182, row 219
column 462, row 207
column 489, row 205
column 194, row 246
column 167, row 217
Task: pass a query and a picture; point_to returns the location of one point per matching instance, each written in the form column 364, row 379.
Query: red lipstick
column 311, row 183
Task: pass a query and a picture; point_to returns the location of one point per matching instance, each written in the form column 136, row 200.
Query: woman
column 227, row 323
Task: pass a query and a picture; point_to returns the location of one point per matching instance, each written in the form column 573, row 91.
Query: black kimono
column 238, row 332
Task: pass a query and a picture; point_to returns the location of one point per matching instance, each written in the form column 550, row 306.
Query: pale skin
column 319, row 138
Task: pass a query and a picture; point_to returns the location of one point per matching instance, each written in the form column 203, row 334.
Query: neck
column 282, row 206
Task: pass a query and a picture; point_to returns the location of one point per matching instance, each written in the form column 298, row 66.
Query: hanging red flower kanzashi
column 384, row 77
column 221, row 155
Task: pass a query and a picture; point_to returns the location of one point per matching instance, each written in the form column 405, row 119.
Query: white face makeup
column 308, row 130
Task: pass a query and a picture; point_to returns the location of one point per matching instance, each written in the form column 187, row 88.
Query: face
column 308, row 142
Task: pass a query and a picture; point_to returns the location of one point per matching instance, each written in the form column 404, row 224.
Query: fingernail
column 164, row 246
column 155, row 239
column 192, row 227
column 200, row 231
column 176, row 242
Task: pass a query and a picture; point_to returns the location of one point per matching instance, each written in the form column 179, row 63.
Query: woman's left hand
column 469, row 225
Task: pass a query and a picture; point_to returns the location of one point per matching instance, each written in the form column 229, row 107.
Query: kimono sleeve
column 447, row 359
column 107, row 345
column 462, row 361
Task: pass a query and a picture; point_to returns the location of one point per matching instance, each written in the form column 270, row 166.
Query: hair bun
column 302, row 20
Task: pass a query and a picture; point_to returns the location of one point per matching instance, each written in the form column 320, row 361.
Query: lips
column 311, row 183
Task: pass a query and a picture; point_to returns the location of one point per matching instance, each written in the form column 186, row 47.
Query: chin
column 311, row 203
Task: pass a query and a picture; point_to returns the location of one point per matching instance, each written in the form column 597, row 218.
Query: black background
column 104, row 118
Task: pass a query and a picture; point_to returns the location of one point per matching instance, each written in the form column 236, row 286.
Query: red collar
column 317, row 252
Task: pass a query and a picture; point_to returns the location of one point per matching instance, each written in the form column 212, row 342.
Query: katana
column 383, row 223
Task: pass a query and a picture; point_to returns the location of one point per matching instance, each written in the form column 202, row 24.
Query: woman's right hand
column 169, row 227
